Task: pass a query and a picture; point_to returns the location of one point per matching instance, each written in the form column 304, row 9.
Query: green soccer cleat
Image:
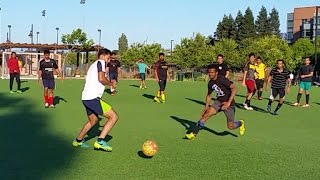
column 11, row 92
column 242, row 128
column 79, row 144
column 191, row 136
column 19, row 91
column 102, row 145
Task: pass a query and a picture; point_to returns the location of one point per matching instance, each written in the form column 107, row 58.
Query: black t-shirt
column 47, row 67
column 222, row 69
column 113, row 66
column 222, row 87
column 305, row 70
column 162, row 69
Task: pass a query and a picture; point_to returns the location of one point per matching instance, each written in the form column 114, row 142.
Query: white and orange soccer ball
column 150, row 148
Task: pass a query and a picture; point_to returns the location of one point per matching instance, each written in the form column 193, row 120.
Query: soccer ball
column 150, row 148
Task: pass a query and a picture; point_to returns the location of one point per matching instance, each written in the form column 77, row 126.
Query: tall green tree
column 274, row 22
column 122, row 43
column 249, row 29
column 228, row 47
column 240, row 28
column 262, row 23
column 232, row 31
column 227, row 28
column 301, row 48
column 219, row 30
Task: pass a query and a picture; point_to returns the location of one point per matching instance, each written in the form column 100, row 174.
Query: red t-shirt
column 13, row 65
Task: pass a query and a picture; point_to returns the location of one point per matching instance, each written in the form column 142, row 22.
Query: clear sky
column 141, row 20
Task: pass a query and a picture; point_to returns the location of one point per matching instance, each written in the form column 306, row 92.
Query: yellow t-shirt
column 260, row 70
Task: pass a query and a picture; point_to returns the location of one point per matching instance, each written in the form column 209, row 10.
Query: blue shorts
column 96, row 106
column 143, row 76
column 113, row 76
column 48, row 83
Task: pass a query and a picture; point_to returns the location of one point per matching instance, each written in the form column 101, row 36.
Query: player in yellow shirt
column 261, row 71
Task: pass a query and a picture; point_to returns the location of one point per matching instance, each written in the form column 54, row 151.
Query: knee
column 113, row 117
column 231, row 125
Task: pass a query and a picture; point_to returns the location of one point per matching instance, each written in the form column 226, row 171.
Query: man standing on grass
column 223, row 68
column 114, row 68
column 249, row 80
column 91, row 98
column 306, row 74
column 14, row 71
column 47, row 67
column 261, row 70
column 162, row 75
column 280, row 79
column 142, row 73
column 226, row 91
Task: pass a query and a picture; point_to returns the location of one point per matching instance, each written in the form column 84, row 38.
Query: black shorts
column 259, row 83
column 143, row 76
column 162, row 84
column 48, row 83
column 96, row 106
column 230, row 112
column 275, row 92
column 113, row 76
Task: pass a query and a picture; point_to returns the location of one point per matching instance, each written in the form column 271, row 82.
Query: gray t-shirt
column 305, row 70
column 251, row 70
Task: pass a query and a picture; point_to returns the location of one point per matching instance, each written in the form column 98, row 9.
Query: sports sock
column 299, row 97
column 270, row 102
column 249, row 103
column 198, row 127
column 78, row 140
column 307, row 98
column 278, row 107
column 46, row 99
column 259, row 94
column 50, row 100
column 237, row 124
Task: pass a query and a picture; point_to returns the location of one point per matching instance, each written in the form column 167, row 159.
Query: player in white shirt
column 95, row 106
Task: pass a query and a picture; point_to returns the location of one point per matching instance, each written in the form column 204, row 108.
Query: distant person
column 249, row 77
column 14, row 71
column 261, row 71
column 226, row 91
column 162, row 75
column 306, row 75
column 114, row 68
column 91, row 98
column 142, row 72
column 223, row 69
column 47, row 67
column 280, row 80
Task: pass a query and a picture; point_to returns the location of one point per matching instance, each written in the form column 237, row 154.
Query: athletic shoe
column 11, row 92
column 248, row 108
column 295, row 104
column 156, row 99
column 102, row 145
column 269, row 108
column 79, row 144
column 145, row 87
column 306, row 106
column 260, row 98
column 275, row 113
column 140, row 87
column 19, row 91
column 242, row 128
column 191, row 136
column 52, row 106
column 46, row 105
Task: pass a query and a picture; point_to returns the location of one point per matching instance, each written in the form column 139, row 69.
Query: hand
column 225, row 105
column 157, row 80
column 302, row 76
column 243, row 84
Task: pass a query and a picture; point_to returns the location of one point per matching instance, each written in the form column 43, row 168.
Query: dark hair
column 114, row 53
column 46, row 52
column 104, row 51
column 308, row 57
column 252, row 54
column 212, row 66
column 13, row 53
column 219, row 55
column 161, row 54
column 259, row 57
column 280, row 60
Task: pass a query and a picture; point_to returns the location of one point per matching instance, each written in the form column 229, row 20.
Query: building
column 301, row 23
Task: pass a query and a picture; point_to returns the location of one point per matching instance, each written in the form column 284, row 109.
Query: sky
column 149, row 21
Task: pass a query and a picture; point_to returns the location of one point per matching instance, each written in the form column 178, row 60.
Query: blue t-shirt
column 142, row 67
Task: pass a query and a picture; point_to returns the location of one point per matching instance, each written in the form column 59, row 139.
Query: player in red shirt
column 14, row 71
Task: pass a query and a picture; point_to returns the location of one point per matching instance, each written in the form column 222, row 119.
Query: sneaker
column 306, row 106
column 140, row 87
column 51, row 106
column 145, row 87
column 191, row 136
column 79, row 144
column 269, row 108
column 102, row 145
column 242, row 128
column 275, row 113
column 260, row 98
column 156, row 99
column 19, row 91
column 46, row 105
column 295, row 104
column 11, row 92
column 248, row 108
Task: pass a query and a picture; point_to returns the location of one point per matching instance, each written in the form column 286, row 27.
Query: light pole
column 38, row 37
column 99, row 30
column 9, row 26
column 171, row 48
column 57, row 29
column 83, row 2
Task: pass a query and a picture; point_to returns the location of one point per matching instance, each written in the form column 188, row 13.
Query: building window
column 290, row 24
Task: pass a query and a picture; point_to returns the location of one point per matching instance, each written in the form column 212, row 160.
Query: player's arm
column 56, row 68
column 233, row 93
column 102, row 76
column 40, row 72
column 288, row 83
column 268, row 81
column 244, row 76
column 168, row 75
column 308, row 75
column 227, row 71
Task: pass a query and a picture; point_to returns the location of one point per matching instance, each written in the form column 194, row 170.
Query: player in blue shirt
column 142, row 68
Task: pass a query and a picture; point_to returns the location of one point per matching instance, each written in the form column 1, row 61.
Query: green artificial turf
column 36, row 142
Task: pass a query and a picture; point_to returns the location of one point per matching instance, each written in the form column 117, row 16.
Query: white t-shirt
column 93, row 88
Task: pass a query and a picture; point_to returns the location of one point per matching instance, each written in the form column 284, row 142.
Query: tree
column 123, row 43
column 227, row 28
column 274, row 22
column 232, row 31
column 302, row 48
column 228, row 47
column 240, row 28
column 262, row 23
column 249, row 29
column 219, row 31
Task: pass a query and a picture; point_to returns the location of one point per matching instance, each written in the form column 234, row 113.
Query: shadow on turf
column 57, row 100
column 95, row 132
column 31, row 149
column 190, row 124
column 107, row 91
column 24, row 89
column 23, row 81
column 142, row 155
column 136, row 86
column 148, row 96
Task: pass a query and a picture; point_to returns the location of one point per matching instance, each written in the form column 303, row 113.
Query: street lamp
column 38, row 37
column 9, row 26
column 57, row 29
column 171, row 47
column 99, row 30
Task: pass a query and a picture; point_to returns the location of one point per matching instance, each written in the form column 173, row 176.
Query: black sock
column 248, row 103
column 307, row 98
column 299, row 97
column 78, row 140
column 259, row 94
column 278, row 107
column 100, row 139
column 198, row 127
column 270, row 102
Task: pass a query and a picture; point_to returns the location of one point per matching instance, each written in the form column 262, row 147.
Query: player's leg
column 157, row 98
column 282, row 93
column 51, row 93
column 163, row 96
column 144, row 80
column 11, row 82
column 301, row 88
column 250, row 89
column 18, row 82
column 232, row 123
column 307, row 91
column 112, row 118
column 261, row 82
column 141, row 81
column 273, row 94
column 92, row 121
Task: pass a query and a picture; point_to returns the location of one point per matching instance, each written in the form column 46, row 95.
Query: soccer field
column 36, row 142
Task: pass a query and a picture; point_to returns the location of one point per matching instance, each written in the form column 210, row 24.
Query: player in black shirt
column 223, row 69
column 47, row 67
column 162, row 75
column 305, row 73
column 280, row 79
column 226, row 91
column 114, row 68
